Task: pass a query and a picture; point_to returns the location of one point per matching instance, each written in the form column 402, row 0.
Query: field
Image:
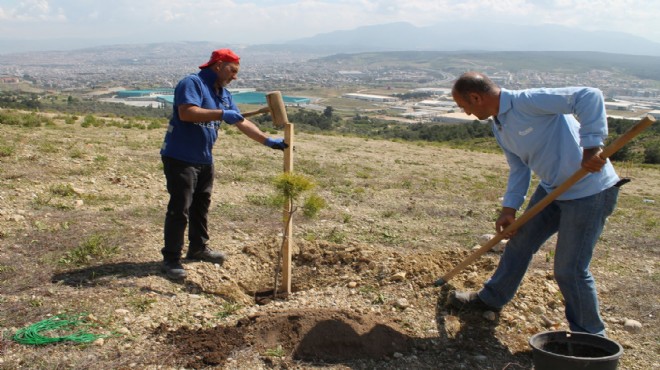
column 81, row 216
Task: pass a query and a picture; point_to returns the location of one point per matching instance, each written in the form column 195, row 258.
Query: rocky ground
column 81, row 212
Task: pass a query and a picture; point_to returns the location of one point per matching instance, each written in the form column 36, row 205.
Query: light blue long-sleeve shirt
column 538, row 131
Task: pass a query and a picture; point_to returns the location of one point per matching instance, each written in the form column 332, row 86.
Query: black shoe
column 469, row 301
column 207, row 255
column 174, row 270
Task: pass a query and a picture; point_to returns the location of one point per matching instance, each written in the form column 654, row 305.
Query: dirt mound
column 310, row 335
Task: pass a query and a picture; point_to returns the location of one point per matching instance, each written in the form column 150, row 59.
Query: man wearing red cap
column 201, row 103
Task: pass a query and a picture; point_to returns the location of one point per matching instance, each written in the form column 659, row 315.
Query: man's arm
column 193, row 113
column 586, row 103
column 252, row 131
column 518, row 181
column 590, row 111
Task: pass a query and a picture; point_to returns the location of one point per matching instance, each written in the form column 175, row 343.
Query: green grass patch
column 228, row 309
column 93, row 248
column 6, row 150
column 275, row 352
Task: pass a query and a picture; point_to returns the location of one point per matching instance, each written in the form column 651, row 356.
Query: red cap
column 224, row 55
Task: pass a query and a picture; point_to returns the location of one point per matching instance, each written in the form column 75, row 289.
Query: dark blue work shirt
column 193, row 142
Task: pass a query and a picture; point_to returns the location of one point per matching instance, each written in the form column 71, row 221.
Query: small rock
column 485, row 238
column 402, row 303
column 614, row 320
column 626, row 344
column 99, row 342
column 539, row 310
column 123, row 330
column 352, row 284
column 499, row 247
column 399, row 276
column 490, row 315
column 632, row 326
column 121, row 311
column 522, row 306
column 480, row 358
column 397, row 355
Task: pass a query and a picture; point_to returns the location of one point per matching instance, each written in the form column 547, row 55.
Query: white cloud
column 253, row 21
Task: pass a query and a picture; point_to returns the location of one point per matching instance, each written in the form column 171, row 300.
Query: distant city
column 414, row 90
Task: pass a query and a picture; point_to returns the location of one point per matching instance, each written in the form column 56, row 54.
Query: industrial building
column 369, row 97
column 619, row 105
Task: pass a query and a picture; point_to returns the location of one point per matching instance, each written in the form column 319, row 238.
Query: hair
column 473, row 82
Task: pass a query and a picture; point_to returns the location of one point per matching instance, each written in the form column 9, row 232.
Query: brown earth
column 399, row 216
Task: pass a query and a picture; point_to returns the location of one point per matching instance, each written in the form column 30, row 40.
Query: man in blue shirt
column 201, row 103
column 552, row 132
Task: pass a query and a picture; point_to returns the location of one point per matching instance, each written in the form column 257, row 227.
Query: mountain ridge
column 481, row 36
column 398, row 36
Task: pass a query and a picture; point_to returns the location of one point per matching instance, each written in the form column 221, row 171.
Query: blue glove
column 231, row 116
column 276, row 143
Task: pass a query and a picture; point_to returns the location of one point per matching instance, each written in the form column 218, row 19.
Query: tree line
column 477, row 134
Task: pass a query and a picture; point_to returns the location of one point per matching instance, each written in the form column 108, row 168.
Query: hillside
column 642, row 67
column 81, row 215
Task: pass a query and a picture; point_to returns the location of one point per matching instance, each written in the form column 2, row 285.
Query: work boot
column 469, row 301
column 174, row 270
column 207, row 255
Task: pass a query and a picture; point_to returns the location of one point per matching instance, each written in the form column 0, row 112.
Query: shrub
column 652, row 152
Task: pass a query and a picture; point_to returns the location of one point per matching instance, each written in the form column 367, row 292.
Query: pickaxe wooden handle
column 531, row 212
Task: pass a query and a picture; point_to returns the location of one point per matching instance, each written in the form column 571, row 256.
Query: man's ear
column 475, row 98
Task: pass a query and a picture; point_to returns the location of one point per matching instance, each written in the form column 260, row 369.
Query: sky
column 278, row 21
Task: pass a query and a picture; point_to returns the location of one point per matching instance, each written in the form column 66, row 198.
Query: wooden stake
column 288, row 215
column 280, row 119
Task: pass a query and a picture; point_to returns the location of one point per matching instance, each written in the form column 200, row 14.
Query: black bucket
column 552, row 350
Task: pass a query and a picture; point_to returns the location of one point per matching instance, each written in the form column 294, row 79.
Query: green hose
column 32, row 334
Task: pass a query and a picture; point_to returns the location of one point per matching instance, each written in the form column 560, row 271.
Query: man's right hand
column 507, row 217
column 231, row 116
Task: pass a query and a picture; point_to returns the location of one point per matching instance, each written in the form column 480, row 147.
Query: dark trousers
column 190, row 187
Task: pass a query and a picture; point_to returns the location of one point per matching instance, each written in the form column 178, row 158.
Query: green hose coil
column 32, row 334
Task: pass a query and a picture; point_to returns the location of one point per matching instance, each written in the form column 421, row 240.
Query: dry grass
column 81, row 213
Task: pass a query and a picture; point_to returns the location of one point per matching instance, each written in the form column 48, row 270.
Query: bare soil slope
column 81, row 214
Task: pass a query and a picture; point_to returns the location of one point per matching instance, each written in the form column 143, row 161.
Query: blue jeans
column 578, row 224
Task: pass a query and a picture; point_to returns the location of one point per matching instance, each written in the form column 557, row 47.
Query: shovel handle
column 531, row 212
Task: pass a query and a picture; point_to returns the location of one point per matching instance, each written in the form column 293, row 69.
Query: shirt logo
column 211, row 124
column 525, row 132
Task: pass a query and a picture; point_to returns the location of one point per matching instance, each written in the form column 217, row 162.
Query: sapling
column 291, row 186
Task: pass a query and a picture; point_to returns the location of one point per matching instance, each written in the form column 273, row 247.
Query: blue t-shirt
column 193, row 142
column 545, row 131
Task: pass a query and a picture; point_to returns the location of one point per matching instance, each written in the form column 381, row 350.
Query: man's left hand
column 591, row 159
